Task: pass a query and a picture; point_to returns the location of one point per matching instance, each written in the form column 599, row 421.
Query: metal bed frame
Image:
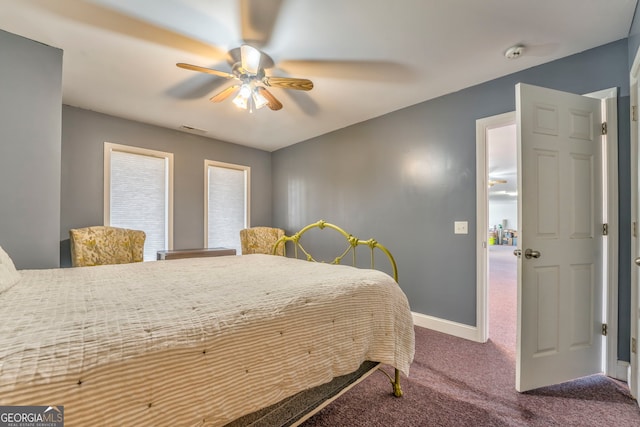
column 352, row 243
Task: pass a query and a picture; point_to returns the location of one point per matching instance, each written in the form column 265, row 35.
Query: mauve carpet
column 456, row 382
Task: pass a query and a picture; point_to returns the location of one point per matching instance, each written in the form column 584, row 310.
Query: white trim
column 446, row 326
column 247, row 171
column 622, row 370
column 613, row 204
column 110, row 147
column 482, row 220
column 609, row 99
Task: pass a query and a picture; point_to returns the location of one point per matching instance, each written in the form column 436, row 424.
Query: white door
column 559, row 208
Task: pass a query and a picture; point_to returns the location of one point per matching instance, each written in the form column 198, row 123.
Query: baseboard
column 446, row 326
column 471, row 333
column 622, row 371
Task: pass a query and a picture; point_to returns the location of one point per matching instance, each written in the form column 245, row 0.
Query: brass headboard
column 352, row 243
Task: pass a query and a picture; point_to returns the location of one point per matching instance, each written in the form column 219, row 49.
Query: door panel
column 546, row 289
column 582, row 289
column 560, row 183
column 547, row 169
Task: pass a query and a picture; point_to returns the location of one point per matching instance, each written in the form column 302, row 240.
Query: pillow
column 9, row 276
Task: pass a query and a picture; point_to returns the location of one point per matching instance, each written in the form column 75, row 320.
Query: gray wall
column 405, row 177
column 83, row 135
column 30, row 111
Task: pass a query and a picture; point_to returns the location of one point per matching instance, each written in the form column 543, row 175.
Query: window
column 226, row 204
column 138, row 194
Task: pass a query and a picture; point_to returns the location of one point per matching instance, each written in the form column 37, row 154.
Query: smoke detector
column 514, row 52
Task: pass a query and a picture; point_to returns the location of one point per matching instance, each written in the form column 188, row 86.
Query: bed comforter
column 192, row 341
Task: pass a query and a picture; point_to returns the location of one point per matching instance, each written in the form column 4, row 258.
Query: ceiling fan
column 247, row 67
column 248, row 63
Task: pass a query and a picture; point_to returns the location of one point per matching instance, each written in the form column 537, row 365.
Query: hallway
column 503, row 294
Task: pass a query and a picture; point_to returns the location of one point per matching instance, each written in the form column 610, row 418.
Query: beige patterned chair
column 260, row 240
column 100, row 245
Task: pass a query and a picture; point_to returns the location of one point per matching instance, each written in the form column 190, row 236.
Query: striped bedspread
column 188, row 342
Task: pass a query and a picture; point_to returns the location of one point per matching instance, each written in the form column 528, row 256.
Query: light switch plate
column 461, row 227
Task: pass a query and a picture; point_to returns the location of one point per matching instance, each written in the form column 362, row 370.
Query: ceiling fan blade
column 257, row 19
column 371, row 70
column 119, row 20
column 205, row 70
column 288, row 83
column 273, row 103
column 224, row 94
column 250, row 58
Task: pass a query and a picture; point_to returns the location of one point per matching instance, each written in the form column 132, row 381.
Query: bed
column 198, row 341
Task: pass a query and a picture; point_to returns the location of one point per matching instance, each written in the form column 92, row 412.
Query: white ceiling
column 365, row 57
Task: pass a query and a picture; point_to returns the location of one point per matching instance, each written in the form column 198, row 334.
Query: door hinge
column 634, row 346
column 634, row 113
column 604, row 128
column 604, row 329
column 634, row 229
column 605, row 229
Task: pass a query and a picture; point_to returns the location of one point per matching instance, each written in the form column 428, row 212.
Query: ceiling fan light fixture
column 242, row 99
column 250, row 98
column 247, row 67
column 258, row 100
column 240, row 102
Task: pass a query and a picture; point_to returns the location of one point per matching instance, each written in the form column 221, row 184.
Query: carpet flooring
column 456, row 382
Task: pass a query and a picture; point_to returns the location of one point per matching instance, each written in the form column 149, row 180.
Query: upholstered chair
column 100, row 245
column 260, row 240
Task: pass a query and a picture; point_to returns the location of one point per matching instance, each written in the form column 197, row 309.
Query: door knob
column 530, row 253
column 637, row 261
column 517, row 252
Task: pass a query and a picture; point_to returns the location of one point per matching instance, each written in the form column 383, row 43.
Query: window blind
column 226, row 206
column 139, row 197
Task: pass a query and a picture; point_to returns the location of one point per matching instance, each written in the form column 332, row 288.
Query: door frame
column 482, row 218
column 609, row 98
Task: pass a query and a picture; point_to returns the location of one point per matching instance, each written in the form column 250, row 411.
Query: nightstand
column 194, row 253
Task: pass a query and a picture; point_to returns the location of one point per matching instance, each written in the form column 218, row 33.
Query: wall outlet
column 461, row 227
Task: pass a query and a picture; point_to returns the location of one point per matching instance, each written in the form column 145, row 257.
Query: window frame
column 247, row 192
column 110, row 147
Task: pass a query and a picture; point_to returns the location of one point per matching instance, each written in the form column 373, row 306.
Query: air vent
column 192, row 129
